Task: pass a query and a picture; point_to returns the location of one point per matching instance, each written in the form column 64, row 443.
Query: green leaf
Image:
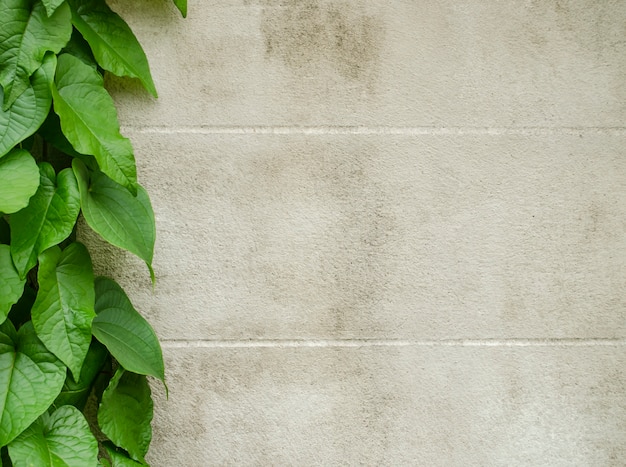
column 47, row 220
column 125, row 413
column 121, row 219
column 27, row 34
column 19, row 179
column 76, row 392
column 11, row 286
column 182, row 7
column 113, row 43
column 30, row 379
column 52, row 5
column 127, row 335
column 62, row 439
column 30, row 108
column 64, row 307
column 119, row 458
column 89, row 119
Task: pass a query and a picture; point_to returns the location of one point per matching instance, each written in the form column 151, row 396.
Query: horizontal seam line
column 290, row 343
column 375, row 130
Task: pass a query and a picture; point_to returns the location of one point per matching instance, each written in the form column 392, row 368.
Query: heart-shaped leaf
column 64, row 307
column 47, row 220
column 123, row 220
column 19, row 175
column 125, row 413
column 127, row 335
column 112, row 42
column 89, row 119
column 11, row 286
column 30, row 379
column 29, row 110
column 27, row 34
column 62, row 439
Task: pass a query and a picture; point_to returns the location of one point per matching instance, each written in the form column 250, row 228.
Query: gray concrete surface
column 389, row 233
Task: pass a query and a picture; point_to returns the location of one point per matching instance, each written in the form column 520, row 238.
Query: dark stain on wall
column 311, row 35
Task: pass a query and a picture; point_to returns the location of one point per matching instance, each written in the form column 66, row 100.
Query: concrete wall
column 389, row 232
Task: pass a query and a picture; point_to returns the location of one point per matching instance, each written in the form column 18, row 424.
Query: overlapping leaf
column 127, row 335
column 113, row 43
column 47, row 220
column 121, row 219
column 52, row 5
column 64, row 307
column 30, row 379
column 26, row 35
column 20, row 178
column 11, row 285
column 120, row 459
column 30, row 108
column 125, row 413
column 89, row 119
column 76, row 392
column 61, row 439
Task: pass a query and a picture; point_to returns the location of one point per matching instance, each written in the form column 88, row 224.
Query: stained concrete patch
column 311, row 35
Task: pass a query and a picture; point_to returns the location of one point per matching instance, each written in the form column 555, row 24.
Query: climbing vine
column 69, row 340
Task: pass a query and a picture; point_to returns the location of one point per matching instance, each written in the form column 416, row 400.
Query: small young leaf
column 20, row 178
column 125, row 413
column 123, row 220
column 89, row 119
column 30, row 108
column 47, row 220
column 113, row 43
column 127, row 335
column 119, row 458
column 61, row 439
column 64, row 307
column 11, row 286
column 182, row 7
column 76, row 392
column 30, row 379
column 27, row 34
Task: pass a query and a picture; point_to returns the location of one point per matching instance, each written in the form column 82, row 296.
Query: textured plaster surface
column 389, row 232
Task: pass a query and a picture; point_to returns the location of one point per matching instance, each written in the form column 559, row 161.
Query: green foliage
column 89, row 120
column 29, row 110
column 125, row 413
column 127, row 335
column 11, row 285
column 62, row 438
column 27, row 34
column 30, row 379
column 62, row 331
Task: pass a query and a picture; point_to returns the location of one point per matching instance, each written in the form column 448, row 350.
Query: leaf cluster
column 69, row 339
